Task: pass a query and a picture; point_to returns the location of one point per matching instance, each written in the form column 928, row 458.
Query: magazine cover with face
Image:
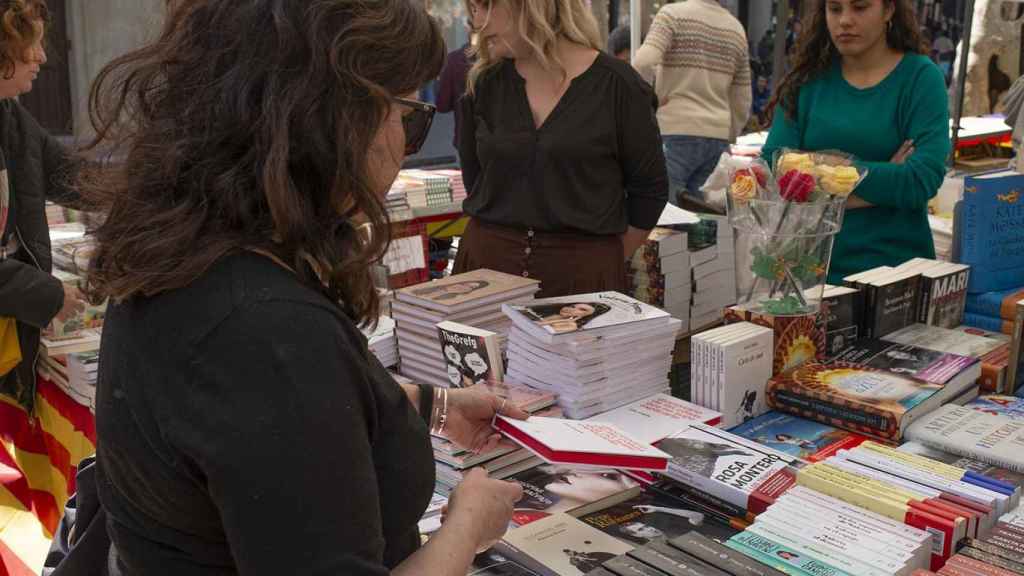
column 584, row 312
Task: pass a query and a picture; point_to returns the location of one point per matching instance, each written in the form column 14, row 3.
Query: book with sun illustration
column 797, row 339
column 472, row 356
column 860, row 398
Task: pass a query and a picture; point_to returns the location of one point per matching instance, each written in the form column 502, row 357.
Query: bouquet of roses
column 788, row 217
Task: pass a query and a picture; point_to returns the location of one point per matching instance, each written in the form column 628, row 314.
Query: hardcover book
column 844, row 309
column 797, row 339
column 649, row 517
column 1010, row 406
column 554, row 319
column 859, row 398
column 990, row 438
column 473, row 356
column 943, row 295
column 549, row 489
column 919, row 363
column 656, row 417
column 727, row 467
column 999, row 304
column 560, row 545
column 804, row 439
column 593, row 444
column 991, row 230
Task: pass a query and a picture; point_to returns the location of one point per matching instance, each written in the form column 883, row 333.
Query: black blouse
column 595, row 166
column 244, row 428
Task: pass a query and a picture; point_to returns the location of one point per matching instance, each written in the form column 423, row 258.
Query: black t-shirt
column 595, row 166
column 244, row 428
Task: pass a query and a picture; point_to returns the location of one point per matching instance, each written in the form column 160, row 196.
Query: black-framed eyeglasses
column 416, row 123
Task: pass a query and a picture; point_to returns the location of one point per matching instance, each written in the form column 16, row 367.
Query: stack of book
column 943, row 294
column 424, row 188
column 876, row 387
column 659, row 274
column 55, row 214
column 952, row 504
column 1001, row 554
column 456, row 183
column 729, row 367
column 382, row 341
column 995, row 311
column 808, row 532
column 713, row 271
column 74, row 373
column 987, row 225
column 88, row 318
column 474, row 299
column 508, row 458
column 576, row 347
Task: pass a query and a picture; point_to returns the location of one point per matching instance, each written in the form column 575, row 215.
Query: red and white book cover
column 576, row 443
column 657, row 417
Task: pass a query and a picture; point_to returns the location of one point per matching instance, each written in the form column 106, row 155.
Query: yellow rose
column 743, row 189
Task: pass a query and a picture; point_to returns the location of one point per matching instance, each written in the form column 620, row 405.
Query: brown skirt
column 565, row 263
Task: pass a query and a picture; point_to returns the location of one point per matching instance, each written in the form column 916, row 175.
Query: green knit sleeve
column 911, row 185
column 784, row 133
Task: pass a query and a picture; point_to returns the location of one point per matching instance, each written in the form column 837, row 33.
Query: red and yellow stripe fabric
column 38, row 461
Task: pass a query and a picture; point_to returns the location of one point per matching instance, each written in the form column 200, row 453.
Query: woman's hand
column 632, row 240
column 470, row 413
column 482, row 507
column 905, row 151
column 73, row 303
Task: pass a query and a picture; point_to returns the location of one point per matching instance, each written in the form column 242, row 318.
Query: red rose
column 796, row 186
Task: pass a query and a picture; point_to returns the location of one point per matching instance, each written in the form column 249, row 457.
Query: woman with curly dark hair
column 861, row 82
column 33, row 169
column 243, row 426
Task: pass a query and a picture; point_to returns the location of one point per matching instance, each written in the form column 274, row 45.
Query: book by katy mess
column 991, row 230
column 472, row 355
column 999, row 304
column 858, row 398
column 553, row 319
column 571, row 442
column 804, row 439
column 469, row 290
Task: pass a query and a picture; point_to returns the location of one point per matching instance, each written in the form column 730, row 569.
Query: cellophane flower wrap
column 786, row 219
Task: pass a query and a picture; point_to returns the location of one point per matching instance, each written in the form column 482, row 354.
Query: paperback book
column 797, row 339
column 560, row 545
column 804, row 439
column 655, row 418
column 860, row 398
column 989, row 438
column 648, row 517
column 473, row 355
column 549, row 489
column 553, row 319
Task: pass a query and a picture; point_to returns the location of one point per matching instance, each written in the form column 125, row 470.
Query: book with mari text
column 473, row 355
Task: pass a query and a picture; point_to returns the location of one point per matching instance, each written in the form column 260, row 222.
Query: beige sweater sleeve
column 742, row 94
column 649, row 56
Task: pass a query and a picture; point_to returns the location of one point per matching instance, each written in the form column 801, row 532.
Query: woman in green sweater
column 861, row 83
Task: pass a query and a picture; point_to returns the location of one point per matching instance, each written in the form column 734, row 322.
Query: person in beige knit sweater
column 697, row 56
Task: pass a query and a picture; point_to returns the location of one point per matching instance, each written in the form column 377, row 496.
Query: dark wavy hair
column 19, row 28
column 248, row 125
column 814, row 51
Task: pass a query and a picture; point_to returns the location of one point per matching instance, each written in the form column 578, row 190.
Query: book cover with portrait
column 469, row 290
column 551, row 318
column 472, row 356
column 649, row 517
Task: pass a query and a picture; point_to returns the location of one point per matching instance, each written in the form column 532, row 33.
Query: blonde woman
column 560, row 150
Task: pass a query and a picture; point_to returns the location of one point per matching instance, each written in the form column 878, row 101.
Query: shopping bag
column 10, row 349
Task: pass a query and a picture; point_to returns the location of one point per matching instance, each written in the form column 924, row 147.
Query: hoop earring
column 890, row 25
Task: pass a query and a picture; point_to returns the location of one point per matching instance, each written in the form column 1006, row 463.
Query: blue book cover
column 805, row 439
column 991, row 230
column 990, row 323
column 998, row 304
column 1010, row 406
